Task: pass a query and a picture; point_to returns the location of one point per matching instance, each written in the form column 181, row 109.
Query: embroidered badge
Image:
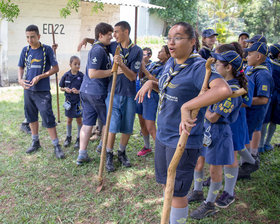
column 94, row 60
column 137, row 64
column 264, row 87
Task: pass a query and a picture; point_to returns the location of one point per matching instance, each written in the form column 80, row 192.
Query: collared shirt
column 125, row 87
column 70, row 81
column 98, row 58
column 183, row 87
column 35, row 64
column 275, row 67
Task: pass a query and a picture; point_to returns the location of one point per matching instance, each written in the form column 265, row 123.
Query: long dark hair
column 239, row 75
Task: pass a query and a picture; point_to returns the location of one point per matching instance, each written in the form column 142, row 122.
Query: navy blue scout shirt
column 276, row 74
column 263, row 81
column 183, row 87
column 125, row 87
column 99, row 59
column 35, row 63
column 228, row 108
column 205, row 52
column 70, row 81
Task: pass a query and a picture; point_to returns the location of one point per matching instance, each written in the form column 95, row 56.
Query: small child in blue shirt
column 272, row 116
column 220, row 150
column 70, row 83
column 261, row 76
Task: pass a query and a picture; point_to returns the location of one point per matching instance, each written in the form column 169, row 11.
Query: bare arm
column 84, row 43
column 96, row 74
column 212, row 117
column 131, row 75
column 219, row 90
column 37, row 78
column 261, row 100
column 147, row 73
column 21, row 81
column 146, row 88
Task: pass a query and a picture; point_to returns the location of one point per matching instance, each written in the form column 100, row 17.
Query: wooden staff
column 171, row 173
column 108, row 121
column 56, row 81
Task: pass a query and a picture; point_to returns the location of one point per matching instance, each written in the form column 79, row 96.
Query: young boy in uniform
column 124, row 107
column 123, row 111
column 40, row 63
column 94, row 87
column 261, row 76
column 147, row 54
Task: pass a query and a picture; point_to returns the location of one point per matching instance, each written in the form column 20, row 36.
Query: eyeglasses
column 149, row 54
column 175, row 39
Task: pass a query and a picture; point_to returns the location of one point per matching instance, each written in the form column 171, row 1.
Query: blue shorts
column 150, row 106
column 255, row 117
column 139, row 108
column 93, row 106
column 184, row 171
column 75, row 110
column 275, row 110
column 39, row 101
column 123, row 114
column 220, row 151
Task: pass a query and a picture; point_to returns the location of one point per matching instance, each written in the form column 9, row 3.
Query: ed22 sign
column 57, row 28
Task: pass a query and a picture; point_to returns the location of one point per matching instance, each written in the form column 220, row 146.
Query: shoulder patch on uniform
column 264, row 87
column 137, row 64
column 94, row 60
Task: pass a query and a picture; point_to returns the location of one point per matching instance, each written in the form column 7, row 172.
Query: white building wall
column 69, row 31
column 4, row 78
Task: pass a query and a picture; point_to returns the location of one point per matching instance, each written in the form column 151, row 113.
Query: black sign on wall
column 58, row 28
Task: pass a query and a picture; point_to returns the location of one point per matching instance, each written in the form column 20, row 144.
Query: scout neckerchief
column 106, row 50
column 207, row 48
column 171, row 74
column 250, row 72
column 125, row 56
column 26, row 55
column 154, row 66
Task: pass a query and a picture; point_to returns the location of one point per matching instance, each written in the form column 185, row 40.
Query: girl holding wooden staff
column 181, row 82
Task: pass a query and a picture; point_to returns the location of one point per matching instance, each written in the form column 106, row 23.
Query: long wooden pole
column 108, row 121
column 56, row 81
column 171, row 173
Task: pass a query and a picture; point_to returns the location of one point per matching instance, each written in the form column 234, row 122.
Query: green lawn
column 38, row 188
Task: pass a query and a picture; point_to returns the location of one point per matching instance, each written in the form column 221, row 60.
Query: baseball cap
column 209, row 33
column 259, row 47
column 257, row 38
column 232, row 57
column 244, row 33
column 274, row 49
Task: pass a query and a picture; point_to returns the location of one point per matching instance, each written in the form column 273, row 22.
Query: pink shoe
column 144, row 151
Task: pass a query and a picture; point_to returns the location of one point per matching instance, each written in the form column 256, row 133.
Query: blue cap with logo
column 259, row 47
column 209, row 33
column 274, row 49
column 232, row 57
column 257, row 38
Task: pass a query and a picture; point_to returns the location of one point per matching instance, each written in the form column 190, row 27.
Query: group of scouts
column 165, row 91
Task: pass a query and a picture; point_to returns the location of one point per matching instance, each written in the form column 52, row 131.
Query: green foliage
column 75, row 4
column 262, row 17
column 176, row 11
column 8, row 10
